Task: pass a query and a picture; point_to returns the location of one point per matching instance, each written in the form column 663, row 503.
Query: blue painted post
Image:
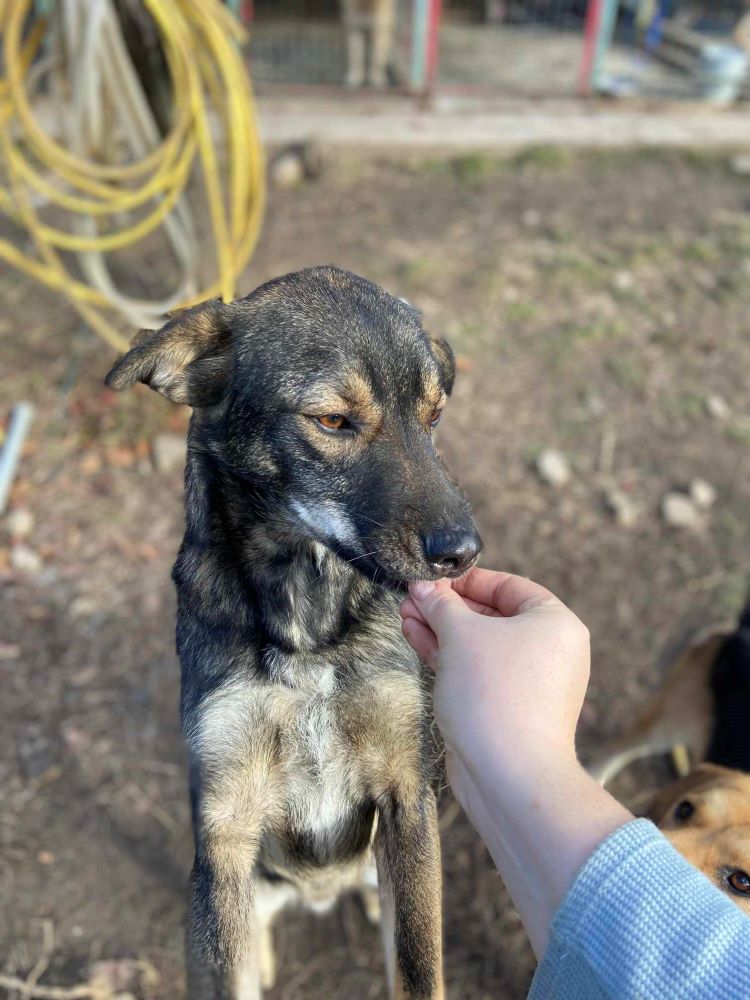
column 420, row 23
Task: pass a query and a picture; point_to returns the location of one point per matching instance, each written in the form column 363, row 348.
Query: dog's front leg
column 225, row 938
column 407, row 850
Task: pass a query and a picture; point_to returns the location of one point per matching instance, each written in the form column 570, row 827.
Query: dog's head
column 322, row 392
column 706, row 816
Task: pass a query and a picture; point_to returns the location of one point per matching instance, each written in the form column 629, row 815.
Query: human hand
column 512, row 666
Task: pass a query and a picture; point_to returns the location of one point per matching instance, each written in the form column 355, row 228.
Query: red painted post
column 247, row 12
column 590, row 36
column 433, row 43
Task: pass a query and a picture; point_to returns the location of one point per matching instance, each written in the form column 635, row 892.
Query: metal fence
column 314, row 42
column 532, row 48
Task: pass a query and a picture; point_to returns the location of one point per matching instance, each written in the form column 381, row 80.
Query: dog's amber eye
column 333, row 421
column 740, row 882
column 683, row 811
column 435, row 418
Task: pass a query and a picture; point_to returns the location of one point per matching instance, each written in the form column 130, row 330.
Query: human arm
column 512, row 667
column 612, row 910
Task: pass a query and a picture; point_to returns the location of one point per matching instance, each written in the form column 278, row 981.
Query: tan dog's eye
column 334, row 422
column 435, row 418
column 683, row 811
column 740, row 882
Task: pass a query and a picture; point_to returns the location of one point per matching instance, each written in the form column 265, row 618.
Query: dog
column 706, row 817
column 701, row 719
column 313, row 494
column 368, row 32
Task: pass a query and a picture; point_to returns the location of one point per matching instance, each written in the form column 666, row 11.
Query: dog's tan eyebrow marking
column 433, row 395
column 352, row 395
column 358, row 392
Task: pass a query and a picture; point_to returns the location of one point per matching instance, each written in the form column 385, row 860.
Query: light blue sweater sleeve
column 640, row 923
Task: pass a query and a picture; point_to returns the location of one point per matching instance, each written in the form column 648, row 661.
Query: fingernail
column 422, row 589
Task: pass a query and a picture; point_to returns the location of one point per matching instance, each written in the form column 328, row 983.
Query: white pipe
column 18, row 428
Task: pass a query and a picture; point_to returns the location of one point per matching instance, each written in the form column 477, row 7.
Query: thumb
column 437, row 602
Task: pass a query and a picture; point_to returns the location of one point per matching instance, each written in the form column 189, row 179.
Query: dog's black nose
column 450, row 551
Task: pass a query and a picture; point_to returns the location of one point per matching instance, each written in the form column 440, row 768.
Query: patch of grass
column 558, row 234
column 587, row 332
column 466, row 336
column 519, row 312
column 475, row 167
column 703, row 250
column 733, row 239
column 420, row 271
column 573, row 265
column 542, row 157
column 732, row 593
column 564, row 344
column 739, row 430
column 626, row 371
column 688, row 404
column 624, row 159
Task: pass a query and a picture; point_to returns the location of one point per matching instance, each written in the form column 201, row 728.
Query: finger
column 422, row 640
column 438, row 603
column 409, row 609
column 507, row 593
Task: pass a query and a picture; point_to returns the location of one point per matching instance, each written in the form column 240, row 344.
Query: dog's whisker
column 372, row 519
column 364, row 555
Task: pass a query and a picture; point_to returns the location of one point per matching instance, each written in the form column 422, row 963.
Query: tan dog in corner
column 706, row 817
column 701, row 714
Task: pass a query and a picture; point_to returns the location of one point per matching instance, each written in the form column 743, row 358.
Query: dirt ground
column 599, row 306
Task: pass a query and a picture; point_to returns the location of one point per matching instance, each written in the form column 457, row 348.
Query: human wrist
column 504, row 768
column 540, row 833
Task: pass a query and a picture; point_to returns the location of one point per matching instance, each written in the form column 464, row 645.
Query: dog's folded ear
column 443, row 353
column 187, row 360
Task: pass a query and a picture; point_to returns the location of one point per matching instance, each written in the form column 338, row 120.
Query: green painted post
column 604, row 38
column 419, row 29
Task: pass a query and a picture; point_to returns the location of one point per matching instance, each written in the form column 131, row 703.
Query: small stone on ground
column 679, row 511
column 287, row 170
column 622, row 507
column 24, row 559
column 19, row 522
column 702, row 494
column 553, row 467
column 717, row 407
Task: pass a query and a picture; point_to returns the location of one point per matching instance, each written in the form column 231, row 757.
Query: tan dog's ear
column 443, row 353
column 187, row 360
column 678, row 790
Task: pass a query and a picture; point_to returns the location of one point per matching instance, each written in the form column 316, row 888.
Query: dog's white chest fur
column 311, row 772
column 318, row 777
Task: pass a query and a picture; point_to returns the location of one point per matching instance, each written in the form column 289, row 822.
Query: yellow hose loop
column 200, row 40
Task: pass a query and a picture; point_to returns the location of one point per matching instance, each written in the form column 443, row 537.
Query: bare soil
column 596, row 301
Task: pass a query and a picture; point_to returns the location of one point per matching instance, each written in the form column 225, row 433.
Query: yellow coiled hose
column 96, row 204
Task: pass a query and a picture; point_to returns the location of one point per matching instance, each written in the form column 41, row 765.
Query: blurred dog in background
column 368, row 29
column 702, row 719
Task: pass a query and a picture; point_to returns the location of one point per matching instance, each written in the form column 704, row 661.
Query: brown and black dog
column 313, row 494
column 702, row 717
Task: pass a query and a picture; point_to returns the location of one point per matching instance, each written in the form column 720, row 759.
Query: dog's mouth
column 396, row 575
column 391, row 557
